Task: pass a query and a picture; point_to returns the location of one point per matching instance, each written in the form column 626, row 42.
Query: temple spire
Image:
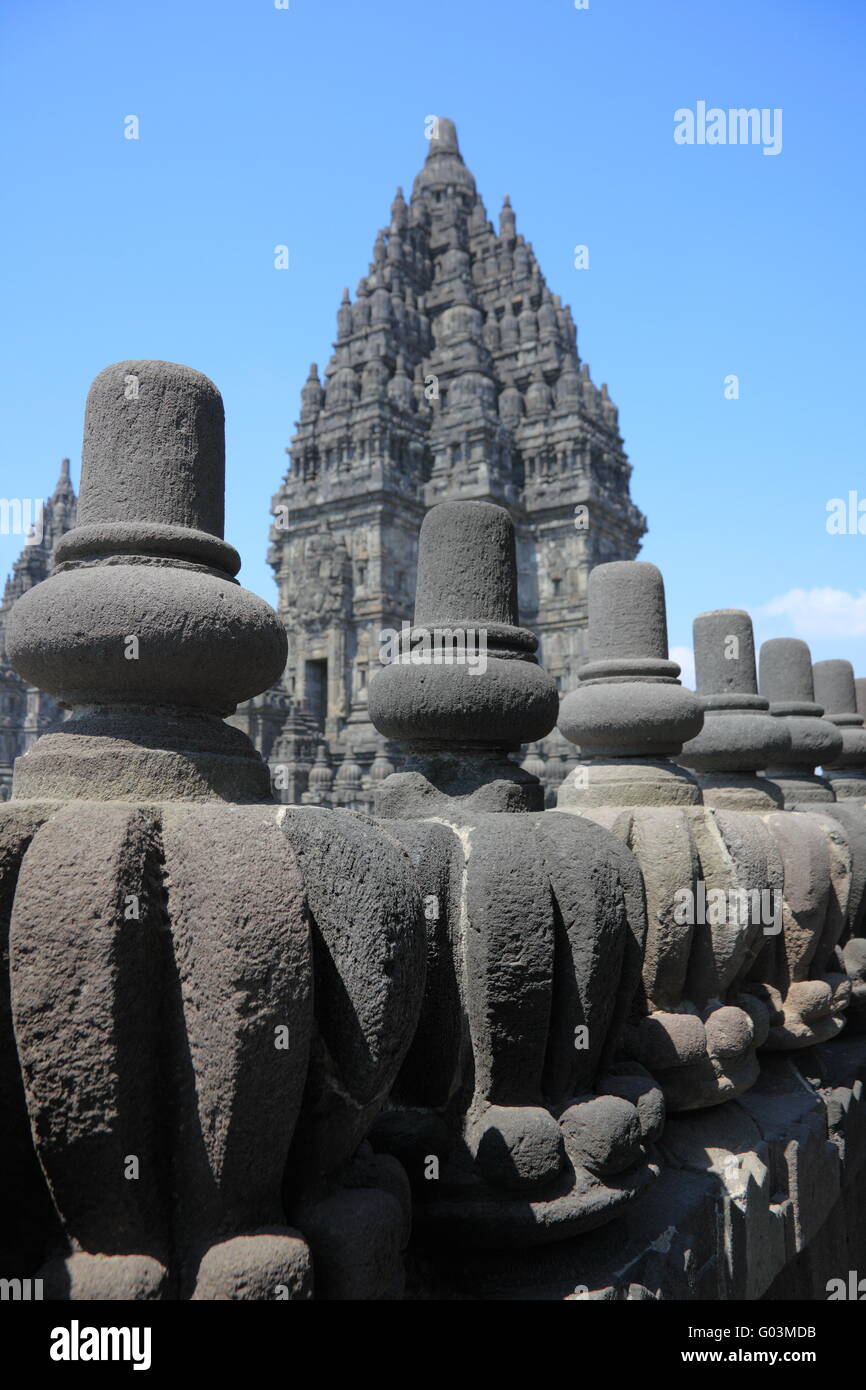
column 507, row 219
column 443, row 137
column 453, row 376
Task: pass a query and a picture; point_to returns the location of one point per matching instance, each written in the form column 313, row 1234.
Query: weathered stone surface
column 785, row 677
column 466, row 584
column 82, row 1277
column 260, row 1265
column 27, row 1221
column 652, row 715
column 250, row 1044
column 165, row 945
column 786, row 668
column 367, row 934
column 739, row 735
column 757, row 1198
column 536, row 933
column 359, row 1232
column 146, row 612
column 133, row 413
column 432, row 1061
column 241, row 970
column 630, row 716
column 835, row 691
column 467, row 567
column 796, row 973
column 85, row 997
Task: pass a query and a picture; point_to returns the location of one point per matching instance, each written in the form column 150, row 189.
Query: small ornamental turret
column 198, row 1086
column 739, row 736
column 797, row 973
column 344, row 317
column 510, row 1096
column 785, row 674
column 816, row 741
column 321, row 781
column 467, row 690
column 629, row 713
column 399, row 211
column 311, row 395
column 704, row 871
column 507, row 220
column 835, row 691
column 142, row 631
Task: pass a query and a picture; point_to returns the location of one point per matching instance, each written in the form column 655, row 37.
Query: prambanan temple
column 317, row 981
column 455, row 374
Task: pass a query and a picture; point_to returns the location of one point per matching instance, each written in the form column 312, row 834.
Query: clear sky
column 261, row 126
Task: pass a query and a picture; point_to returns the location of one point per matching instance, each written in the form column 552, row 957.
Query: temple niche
column 455, row 375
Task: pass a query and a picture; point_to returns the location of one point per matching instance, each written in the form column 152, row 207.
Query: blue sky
column 262, row 126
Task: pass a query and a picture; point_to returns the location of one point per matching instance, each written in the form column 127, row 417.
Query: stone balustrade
column 465, row 1044
column 207, row 1022
column 512, row 1088
column 630, row 716
column 797, row 973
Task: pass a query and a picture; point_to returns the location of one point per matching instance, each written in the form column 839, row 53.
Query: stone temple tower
column 455, row 375
column 26, row 712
